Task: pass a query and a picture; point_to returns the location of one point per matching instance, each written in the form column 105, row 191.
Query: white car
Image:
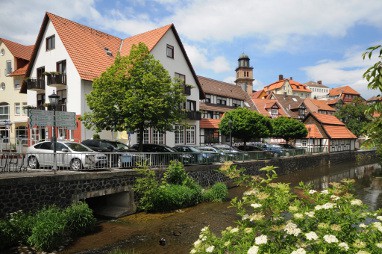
column 70, row 154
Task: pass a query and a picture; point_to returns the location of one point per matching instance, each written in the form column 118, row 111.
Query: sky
column 308, row 40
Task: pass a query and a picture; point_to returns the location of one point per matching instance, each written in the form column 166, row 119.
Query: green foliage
column 23, row 224
column 276, row 219
column 374, row 132
column 7, row 235
column 96, row 136
column 48, row 232
column 146, row 187
column 135, row 93
column 354, row 116
column 79, row 219
column 373, row 75
column 245, row 124
column 217, row 193
column 175, row 173
column 288, row 128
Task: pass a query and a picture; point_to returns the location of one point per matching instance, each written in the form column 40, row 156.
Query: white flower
column 356, row 202
column 299, row 251
column 210, row 249
column 330, row 239
column 234, row 230
column 262, row 239
column 227, row 243
column 292, row 229
column 256, row 205
column 253, row 250
column 310, row 214
column 197, row 243
column 362, row 252
column 324, row 192
column 379, row 218
column 312, row 191
column 193, row 251
column 250, row 192
column 379, row 245
column 334, row 197
column 344, row 246
column 311, row 236
column 293, row 208
column 325, row 206
column 298, row 216
column 362, row 225
column 204, row 229
column 245, row 217
column 248, row 230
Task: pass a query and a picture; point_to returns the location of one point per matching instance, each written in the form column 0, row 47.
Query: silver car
column 70, row 154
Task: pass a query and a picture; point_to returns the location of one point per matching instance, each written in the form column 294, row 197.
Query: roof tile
column 327, row 119
column 335, row 132
column 18, row 50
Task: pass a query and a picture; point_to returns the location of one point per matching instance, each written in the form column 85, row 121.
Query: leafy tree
column 288, row 128
column 354, row 116
column 134, row 94
column 245, row 124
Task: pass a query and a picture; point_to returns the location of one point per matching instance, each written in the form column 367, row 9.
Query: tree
column 245, row 124
column 134, row 94
column 288, row 128
column 354, row 116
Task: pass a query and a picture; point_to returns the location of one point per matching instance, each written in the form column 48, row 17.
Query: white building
column 319, row 91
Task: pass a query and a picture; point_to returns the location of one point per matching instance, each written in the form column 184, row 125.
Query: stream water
column 141, row 233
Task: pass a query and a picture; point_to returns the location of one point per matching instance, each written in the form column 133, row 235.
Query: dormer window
column 50, row 43
column 170, row 51
column 108, row 52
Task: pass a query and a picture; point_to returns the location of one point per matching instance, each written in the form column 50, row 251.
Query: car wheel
column 76, row 164
column 33, row 162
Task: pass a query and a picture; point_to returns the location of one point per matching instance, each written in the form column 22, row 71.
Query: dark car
column 119, row 154
column 249, row 148
column 231, row 153
column 287, row 146
column 197, row 155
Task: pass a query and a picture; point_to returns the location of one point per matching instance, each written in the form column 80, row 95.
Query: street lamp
column 230, row 132
column 53, row 100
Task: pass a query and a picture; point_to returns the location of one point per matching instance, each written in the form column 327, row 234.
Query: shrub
column 7, row 235
column 171, row 197
column 48, row 232
column 276, row 219
column 175, row 173
column 217, row 193
column 79, row 219
column 22, row 224
column 146, row 187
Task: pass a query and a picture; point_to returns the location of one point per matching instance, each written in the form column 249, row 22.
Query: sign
column 38, row 117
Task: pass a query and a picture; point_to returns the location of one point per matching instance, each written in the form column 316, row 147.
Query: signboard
column 38, row 117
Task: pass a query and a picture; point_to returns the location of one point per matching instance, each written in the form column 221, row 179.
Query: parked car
column 69, row 154
column 277, row 150
column 231, row 153
column 214, row 154
column 119, row 154
column 287, row 146
column 198, row 156
column 249, row 148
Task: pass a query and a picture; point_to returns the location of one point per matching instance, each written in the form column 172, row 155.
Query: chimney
column 281, row 77
column 290, row 78
column 319, row 82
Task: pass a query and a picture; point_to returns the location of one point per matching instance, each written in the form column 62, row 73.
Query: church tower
column 244, row 74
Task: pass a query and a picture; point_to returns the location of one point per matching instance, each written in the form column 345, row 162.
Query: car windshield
column 119, row 146
column 78, row 147
column 194, row 149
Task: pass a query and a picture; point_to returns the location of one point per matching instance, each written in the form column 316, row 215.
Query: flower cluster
column 276, row 220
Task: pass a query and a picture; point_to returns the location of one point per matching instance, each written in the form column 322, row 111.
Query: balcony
column 37, row 85
column 194, row 115
column 57, row 80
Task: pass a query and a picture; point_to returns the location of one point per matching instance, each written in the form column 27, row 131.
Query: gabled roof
column 18, row 50
column 258, row 94
column 209, row 123
column 315, row 84
column 375, row 98
column 296, row 86
column 289, row 103
column 333, row 101
column 313, row 131
column 220, row 88
column 316, row 105
column 342, row 90
column 262, row 106
column 20, row 71
column 335, row 131
column 327, row 119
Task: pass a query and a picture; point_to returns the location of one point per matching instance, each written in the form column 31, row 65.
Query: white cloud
column 199, row 58
column 347, row 71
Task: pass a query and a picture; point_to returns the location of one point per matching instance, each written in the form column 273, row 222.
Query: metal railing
column 19, row 162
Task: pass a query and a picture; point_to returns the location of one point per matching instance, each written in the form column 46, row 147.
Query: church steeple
column 244, row 74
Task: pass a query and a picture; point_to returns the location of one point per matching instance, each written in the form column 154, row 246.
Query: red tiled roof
column 296, row 86
column 150, row 38
column 209, row 123
column 262, row 106
column 18, row 50
column 338, row 132
column 375, row 98
column 313, row 131
column 333, row 101
column 327, row 119
column 257, row 94
column 315, row 105
column 342, row 90
column 20, row 71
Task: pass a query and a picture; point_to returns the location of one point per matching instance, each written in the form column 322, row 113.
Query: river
column 141, row 233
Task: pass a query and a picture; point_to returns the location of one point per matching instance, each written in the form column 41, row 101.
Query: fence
column 19, row 162
column 18, row 145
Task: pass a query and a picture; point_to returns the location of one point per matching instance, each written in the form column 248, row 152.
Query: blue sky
column 304, row 39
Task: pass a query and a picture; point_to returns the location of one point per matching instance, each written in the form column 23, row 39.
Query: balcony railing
column 57, row 80
column 36, row 85
column 194, row 115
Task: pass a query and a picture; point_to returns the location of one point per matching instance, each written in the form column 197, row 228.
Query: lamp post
column 53, row 99
column 230, row 132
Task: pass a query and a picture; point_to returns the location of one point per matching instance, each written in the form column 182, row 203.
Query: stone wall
column 30, row 193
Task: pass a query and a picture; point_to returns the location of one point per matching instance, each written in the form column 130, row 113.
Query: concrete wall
column 30, row 193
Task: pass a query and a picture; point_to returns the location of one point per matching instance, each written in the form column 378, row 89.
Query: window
column 190, row 135
column 180, row 78
column 8, row 70
column 208, row 98
column 24, row 110
column 274, row 112
column 17, row 109
column 4, row 111
column 303, row 143
column 158, row 137
column 236, row 103
column 216, row 115
column 21, row 134
column 179, row 134
column 191, row 105
column 221, row 101
column 146, row 136
column 170, row 51
column 50, row 43
column 207, row 114
column 2, row 86
column 2, row 52
column 17, row 85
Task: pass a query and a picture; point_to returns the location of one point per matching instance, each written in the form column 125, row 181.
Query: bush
column 7, row 235
column 175, row 173
column 48, row 232
column 217, row 193
column 146, row 187
column 171, row 197
column 22, row 224
column 79, row 219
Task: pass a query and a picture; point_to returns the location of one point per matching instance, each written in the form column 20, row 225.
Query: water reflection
column 368, row 179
